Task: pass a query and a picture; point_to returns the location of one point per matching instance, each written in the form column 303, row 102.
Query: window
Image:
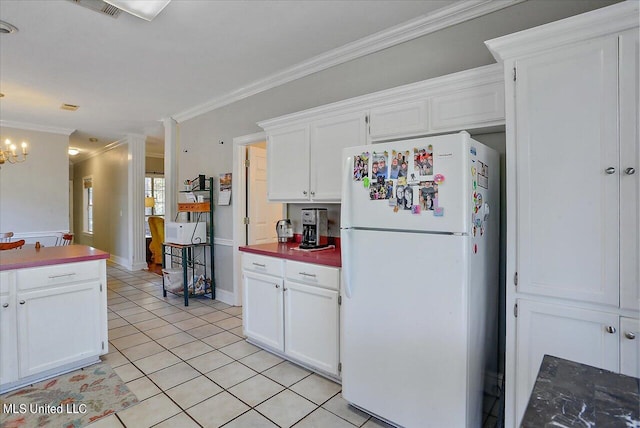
column 154, row 188
column 87, row 203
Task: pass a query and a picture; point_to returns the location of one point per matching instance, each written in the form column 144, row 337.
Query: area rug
column 72, row 400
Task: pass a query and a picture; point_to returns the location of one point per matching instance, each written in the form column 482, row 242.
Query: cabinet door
column 567, row 180
column 630, row 347
column 328, row 138
column 574, row 334
column 58, row 326
column 468, row 108
column 8, row 338
column 288, row 164
column 629, row 172
column 398, row 120
column 262, row 309
column 311, row 326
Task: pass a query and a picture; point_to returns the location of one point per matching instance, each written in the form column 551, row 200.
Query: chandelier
column 9, row 154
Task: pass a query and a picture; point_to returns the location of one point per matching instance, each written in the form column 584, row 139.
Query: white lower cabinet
column 262, row 309
column 630, row 346
column 58, row 326
column 599, row 339
column 292, row 308
column 52, row 319
column 8, row 330
column 311, row 326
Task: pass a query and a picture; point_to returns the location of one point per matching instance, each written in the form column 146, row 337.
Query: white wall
column 34, row 195
column 447, row 51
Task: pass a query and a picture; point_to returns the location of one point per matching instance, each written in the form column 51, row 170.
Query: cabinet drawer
column 313, row 274
column 262, row 264
column 58, row 274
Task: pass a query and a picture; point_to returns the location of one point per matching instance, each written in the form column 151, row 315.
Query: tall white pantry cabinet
column 573, row 234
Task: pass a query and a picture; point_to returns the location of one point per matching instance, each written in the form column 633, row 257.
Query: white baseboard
column 225, row 296
column 139, row 266
column 120, row 261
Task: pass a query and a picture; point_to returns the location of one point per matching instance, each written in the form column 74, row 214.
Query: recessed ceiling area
column 127, row 74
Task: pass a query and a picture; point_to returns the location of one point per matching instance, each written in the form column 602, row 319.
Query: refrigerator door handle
column 345, row 209
column 346, row 257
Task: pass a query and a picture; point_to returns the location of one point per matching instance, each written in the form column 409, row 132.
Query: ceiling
column 127, row 74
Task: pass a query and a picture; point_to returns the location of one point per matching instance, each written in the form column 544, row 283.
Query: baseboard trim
column 225, row 296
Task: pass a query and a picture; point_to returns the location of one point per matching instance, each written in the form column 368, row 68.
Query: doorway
column 249, row 200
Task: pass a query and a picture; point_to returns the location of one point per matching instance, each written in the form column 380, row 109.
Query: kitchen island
column 53, row 312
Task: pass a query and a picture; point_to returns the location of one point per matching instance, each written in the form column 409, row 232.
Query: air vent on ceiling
column 69, row 107
column 99, row 6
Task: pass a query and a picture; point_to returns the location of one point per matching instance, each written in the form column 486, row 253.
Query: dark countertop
column 571, row 394
column 288, row 250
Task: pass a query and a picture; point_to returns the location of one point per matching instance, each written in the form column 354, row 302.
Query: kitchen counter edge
column 288, row 251
column 31, row 257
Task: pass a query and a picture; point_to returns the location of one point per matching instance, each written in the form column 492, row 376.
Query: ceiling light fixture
column 93, row 139
column 145, row 9
column 73, row 151
column 9, row 153
column 6, row 28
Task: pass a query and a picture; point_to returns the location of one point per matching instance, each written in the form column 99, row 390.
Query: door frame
column 239, row 204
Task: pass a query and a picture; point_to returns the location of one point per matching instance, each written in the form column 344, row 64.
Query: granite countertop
column 290, row 251
column 29, row 256
column 570, row 394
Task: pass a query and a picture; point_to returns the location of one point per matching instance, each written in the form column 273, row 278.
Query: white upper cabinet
column 629, row 171
column 398, row 120
column 328, row 138
column 288, row 164
column 567, row 168
column 304, row 149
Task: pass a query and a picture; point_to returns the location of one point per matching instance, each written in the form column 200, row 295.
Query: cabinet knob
column 313, row 193
column 304, row 192
column 630, row 335
column 22, row 302
column 630, row 171
column 610, row 170
column 610, row 329
column 5, row 305
column 277, row 286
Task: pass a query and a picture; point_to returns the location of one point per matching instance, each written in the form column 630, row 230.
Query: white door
column 571, row 333
column 404, row 353
column 262, row 309
column 311, row 325
column 629, row 172
column 58, row 325
column 263, row 214
column 398, row 120
column 328, row 138
column 288, row 164
column 630, row 347
column 567, row 173
column 8, row 330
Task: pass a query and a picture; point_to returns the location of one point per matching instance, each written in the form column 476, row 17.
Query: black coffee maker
column 314, row 228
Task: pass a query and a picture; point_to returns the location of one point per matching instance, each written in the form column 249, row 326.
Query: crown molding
column 596, row 23
column 455, row 14
column 492, row 73
column 35, row 127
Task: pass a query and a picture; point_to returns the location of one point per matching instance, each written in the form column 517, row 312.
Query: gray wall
column 110, row 182
column 206, row 141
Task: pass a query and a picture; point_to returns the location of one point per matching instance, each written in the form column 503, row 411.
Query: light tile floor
column 191, row 367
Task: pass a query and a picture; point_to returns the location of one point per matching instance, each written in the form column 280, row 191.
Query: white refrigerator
column 419, row 239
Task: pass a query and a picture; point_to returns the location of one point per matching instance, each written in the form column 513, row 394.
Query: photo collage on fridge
column 404, row 178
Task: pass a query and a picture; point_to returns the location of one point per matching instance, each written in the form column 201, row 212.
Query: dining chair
column 11, row 245
column 65, row 239
column 6, row 236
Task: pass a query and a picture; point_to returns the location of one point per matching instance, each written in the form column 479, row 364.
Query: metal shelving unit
column 192, row 258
